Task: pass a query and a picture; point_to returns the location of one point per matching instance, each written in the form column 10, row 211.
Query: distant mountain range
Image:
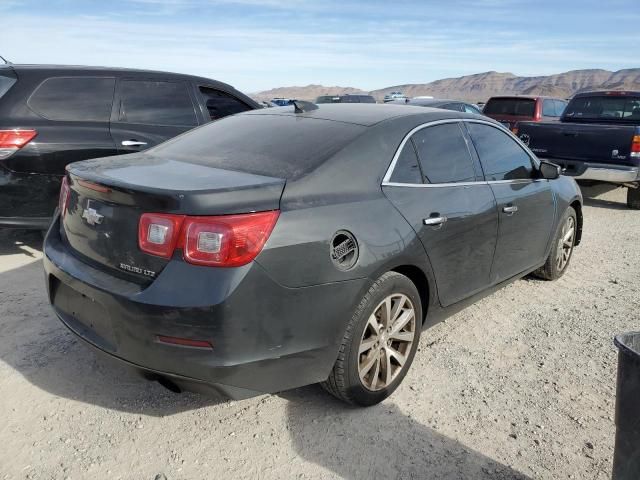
column 481, row 86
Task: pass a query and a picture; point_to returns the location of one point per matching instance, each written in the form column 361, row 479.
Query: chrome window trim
column 386, row 180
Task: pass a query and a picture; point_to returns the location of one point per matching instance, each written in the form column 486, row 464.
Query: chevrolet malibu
column 283, row 247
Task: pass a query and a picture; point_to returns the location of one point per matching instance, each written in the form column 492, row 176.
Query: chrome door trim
column 386, row 180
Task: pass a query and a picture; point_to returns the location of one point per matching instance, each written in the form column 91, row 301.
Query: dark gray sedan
column 282, row 247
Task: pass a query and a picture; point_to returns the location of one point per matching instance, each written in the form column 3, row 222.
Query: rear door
column 452, row 210
column 526, row 205
column 149, row 111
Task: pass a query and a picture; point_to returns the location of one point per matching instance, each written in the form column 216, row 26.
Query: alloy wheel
column 565, row 243
column 386, row 342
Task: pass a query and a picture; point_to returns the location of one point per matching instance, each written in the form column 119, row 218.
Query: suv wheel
column 379, row 344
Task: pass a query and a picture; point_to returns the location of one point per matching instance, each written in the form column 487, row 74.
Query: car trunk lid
column 108, row 196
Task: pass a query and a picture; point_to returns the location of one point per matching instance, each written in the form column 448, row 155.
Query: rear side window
column 74, row 99
column 220, row 104
column 443, row 153
column 407, row 169
column 457, row 107
column 283, row 146
column 524, row 107
column 471, row 109
column 501, row 156
column 156, row 103
column 7, row 79
column 549, row 108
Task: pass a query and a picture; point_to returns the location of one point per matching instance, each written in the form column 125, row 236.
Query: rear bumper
column 27, row 200
column 601, row 172
column 266, row 337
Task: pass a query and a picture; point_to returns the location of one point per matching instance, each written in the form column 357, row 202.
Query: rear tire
column 633, row 198
column 562, row 249
column 379, row 344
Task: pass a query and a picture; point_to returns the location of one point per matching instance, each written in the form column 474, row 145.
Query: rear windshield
column 523, row 107
column 7, row 79
column 283, row 146
column 604, row 108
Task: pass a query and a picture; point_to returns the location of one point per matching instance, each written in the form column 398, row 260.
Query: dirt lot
column 520, row 385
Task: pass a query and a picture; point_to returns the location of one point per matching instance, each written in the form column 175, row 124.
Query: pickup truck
column 596, row 139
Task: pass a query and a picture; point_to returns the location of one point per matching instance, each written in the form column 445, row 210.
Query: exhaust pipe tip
column 168, row 384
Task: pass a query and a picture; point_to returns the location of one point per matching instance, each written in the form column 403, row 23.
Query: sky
column 256, row 45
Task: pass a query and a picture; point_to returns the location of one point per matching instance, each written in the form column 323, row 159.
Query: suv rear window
column 7, row 79
column 283, row 146
column 605, row 108
column 74, row 99
column 523, row 107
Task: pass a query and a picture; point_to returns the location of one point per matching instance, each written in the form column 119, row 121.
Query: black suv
column 54, row 115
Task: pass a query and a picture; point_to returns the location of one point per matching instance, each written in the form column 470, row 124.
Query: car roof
column 609, row 93
column 525, row 97
column 88, row 70
column 426, row 101
column 365, row 114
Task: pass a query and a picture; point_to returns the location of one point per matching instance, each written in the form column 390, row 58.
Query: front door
column 526, row 204
column 437, row 187
column 148, row 112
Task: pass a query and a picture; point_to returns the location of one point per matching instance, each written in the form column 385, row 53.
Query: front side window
column 501, row 156
column 220, row 104
column 407, row 169
column 74, row 99
column 156, row 103
column 471, row 109
column 443, row 154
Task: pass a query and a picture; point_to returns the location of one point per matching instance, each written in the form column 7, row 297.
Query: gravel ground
column 520, row 385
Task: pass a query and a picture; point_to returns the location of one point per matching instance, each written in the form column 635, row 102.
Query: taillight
column 13, row 140
column 158, row 233
column 65, row 193
column 635, row 146
column 221, row 241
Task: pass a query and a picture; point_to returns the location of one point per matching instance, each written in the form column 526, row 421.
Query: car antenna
column 7, row 62
column 300, row 106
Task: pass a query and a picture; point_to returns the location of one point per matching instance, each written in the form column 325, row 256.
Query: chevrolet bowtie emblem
column 92, row 216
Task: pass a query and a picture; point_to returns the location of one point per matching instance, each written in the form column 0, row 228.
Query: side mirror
column 549, row 170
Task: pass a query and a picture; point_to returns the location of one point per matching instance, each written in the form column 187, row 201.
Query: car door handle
column 511, row 209
column 435, row 221
column 133, row 143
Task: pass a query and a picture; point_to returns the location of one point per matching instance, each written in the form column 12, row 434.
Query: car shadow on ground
column 39, row 347
column 591, row 193
column 379, row 442
column 15, row 242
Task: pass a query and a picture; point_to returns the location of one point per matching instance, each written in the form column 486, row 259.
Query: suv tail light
column 635, row 147
column 220, row 241
column 13, row 140
column 65, row 193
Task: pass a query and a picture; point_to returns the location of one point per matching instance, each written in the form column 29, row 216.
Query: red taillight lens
column 13, row 140
column 635, row 146
column 221, row 241
column 227, row 240
column 158, row 233
column 65, row 193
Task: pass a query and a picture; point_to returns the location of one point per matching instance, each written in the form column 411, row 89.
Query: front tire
column 379, row 344
column 562, row 248
column 633, row 198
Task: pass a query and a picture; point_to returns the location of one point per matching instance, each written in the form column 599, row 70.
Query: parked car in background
column 510, row 110
column 596, row 139
column 347, row 98
column 278, row 248
column 454, row 105
column 391, row 96
column 281, row 102
column 53, row 115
